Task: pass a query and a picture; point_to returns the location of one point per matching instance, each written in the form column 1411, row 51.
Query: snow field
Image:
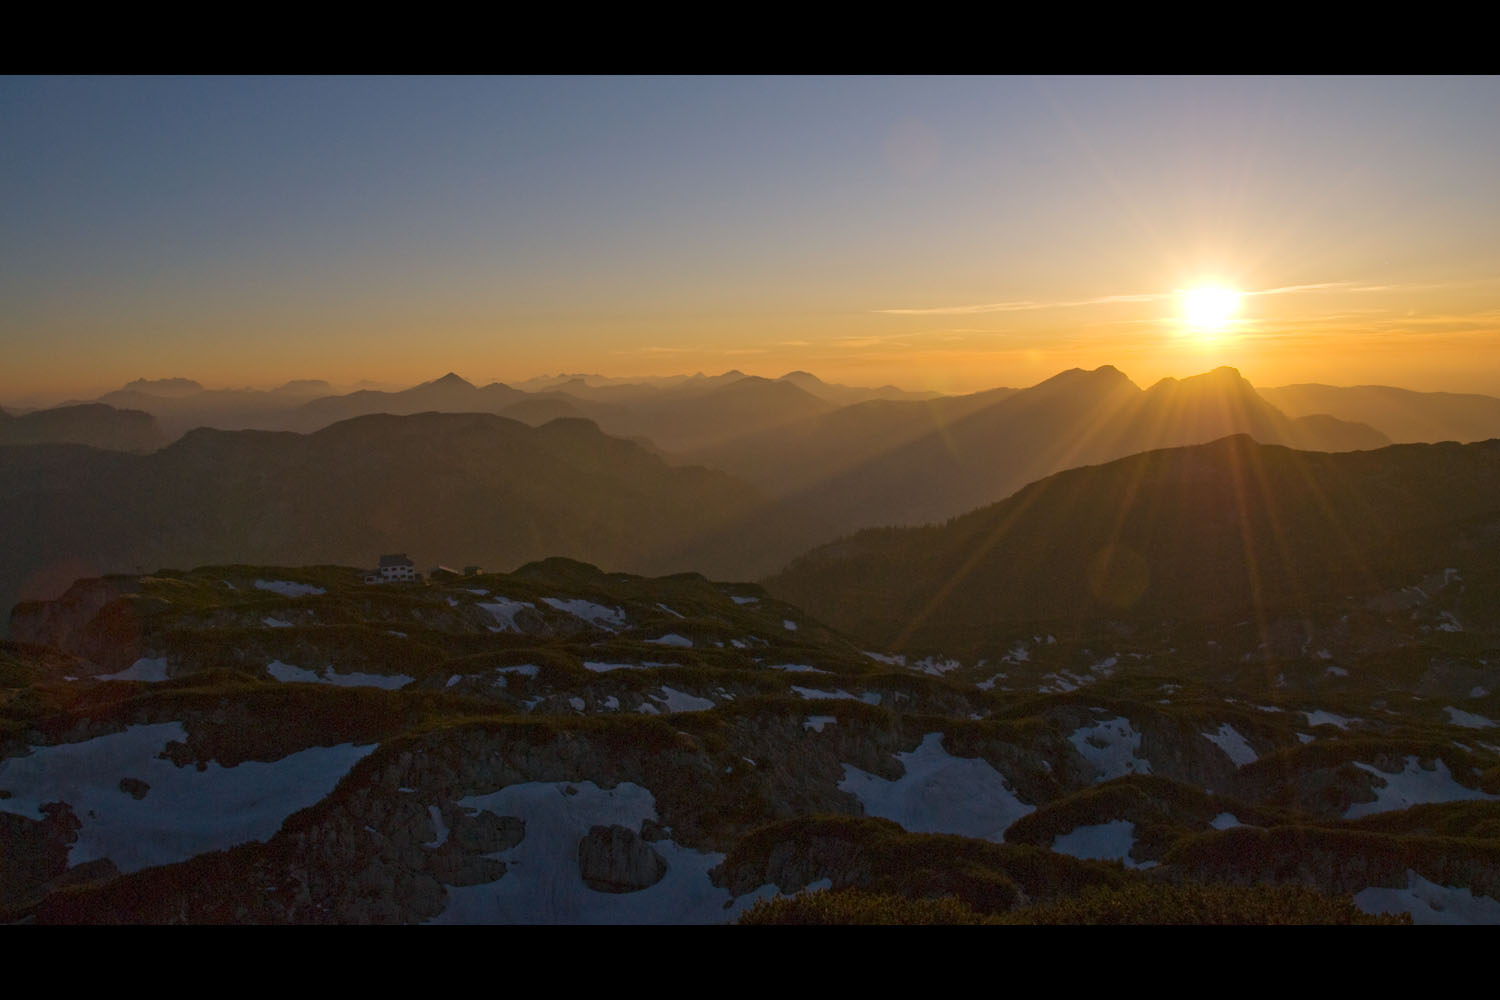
column 1228, row 739
column 1430, row 903
column 595, row 614
column 504, row 610
column 1111, row 746
column 288, row 674
column 1112, row 841
column 940, row 793
column 1412, row 786
column 185, row 812
column 543, row 884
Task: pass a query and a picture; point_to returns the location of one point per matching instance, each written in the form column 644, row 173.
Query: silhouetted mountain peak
column 1223, row 378
column 449, row 381
column 1107, row 376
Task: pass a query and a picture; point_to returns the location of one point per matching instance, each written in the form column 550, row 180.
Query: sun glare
column 1209, row 309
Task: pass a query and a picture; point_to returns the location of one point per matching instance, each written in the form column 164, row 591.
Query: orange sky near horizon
column 1443, row 338
column 951, row 234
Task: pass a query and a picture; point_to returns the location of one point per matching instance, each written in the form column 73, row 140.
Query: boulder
column 617, row 859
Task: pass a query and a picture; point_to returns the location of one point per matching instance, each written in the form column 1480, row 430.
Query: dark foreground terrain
column 259, row 744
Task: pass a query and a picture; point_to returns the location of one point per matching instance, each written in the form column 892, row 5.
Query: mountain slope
column 93, row 424
column 913, row 463
column 449, row 394
column 1225, row 528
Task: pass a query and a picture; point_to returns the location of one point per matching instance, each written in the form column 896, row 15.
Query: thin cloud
column 1031, row 305
column 1322, row 286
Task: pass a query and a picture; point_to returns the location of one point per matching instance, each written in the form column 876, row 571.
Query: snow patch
column 744, row 600
column 441, row 838
column 1225, row 821
column 275, row 623
column 935, row 666
column 1322, row 718
column 789, row 625
column 672, row 639
column 1111, row 747
column 668, row 610
column 288, row 589
column 1112, row 841
column 604, row 668
column 288, row 674
column 816, row 693
column 1467, row 719
column 504, row 611
column 939, row 793
column 141, row 670
column 186, row 812
column 681, row 701
column 1412, row 786
column 796, row 668
column 1430, row 903
column 817, row 722
column 543, row 886
column 1228, row 739
column 595, row 614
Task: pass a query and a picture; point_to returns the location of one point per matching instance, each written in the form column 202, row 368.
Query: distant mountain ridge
column 914, row 463
column 1402, row 414
column 94, row 424
column 449, row 488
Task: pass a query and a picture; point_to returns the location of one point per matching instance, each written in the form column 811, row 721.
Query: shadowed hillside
column 912, row 463
column 1206, row 531
column 449, row 488
column 93, row 424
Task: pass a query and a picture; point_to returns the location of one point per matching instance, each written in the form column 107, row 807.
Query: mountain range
column 459, row 488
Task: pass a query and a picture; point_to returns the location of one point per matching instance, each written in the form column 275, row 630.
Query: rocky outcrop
column 617, row 859
column 72, row 623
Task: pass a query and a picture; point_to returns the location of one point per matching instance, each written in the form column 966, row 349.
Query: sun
column 1209, row 308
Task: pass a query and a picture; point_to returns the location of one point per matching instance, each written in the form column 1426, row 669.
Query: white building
column 394, row 568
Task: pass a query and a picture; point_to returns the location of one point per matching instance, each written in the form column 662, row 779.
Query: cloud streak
column 1031, row 305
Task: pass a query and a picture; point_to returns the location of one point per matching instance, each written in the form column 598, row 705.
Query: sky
column 936, row 233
